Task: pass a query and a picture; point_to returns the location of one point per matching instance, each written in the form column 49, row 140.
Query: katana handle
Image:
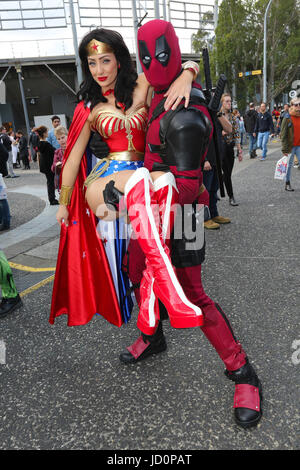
column 205, row 57
column 214, row 103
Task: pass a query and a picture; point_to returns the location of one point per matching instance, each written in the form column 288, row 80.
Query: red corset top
column 120, row 131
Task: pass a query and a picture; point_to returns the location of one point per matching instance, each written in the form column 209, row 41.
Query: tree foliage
column 238, row 46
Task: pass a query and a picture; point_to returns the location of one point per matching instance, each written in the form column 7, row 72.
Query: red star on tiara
column 95, row 47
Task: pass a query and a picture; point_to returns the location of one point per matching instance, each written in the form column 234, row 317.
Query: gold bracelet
column 65, row 195
column 192, row 66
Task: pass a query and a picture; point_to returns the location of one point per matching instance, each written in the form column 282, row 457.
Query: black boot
column 248, row 396
column 145, row 346
column 8, row 305
column 288, row 186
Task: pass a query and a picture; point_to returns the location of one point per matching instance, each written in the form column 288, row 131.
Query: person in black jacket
column 46, row 154
column 3, row 159
column 250, row 123
column 264, row 125
column 210, row 178
column 23, row 150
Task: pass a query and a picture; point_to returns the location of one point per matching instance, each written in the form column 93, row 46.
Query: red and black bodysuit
column 183, row 151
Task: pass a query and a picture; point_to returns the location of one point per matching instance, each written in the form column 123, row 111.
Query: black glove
column 112, row 196
column 99, row 148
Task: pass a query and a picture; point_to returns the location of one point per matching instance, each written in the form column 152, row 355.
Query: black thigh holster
column 188, row 240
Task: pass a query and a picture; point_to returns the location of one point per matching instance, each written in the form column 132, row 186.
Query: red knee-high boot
column 143, row 212
column 166, row 194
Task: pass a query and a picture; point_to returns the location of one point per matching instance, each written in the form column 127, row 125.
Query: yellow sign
column 241, row 74
column 256, row 72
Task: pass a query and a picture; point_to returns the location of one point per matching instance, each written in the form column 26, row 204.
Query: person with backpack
column 250, row 122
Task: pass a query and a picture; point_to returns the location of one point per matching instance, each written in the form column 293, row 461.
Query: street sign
column 249, row 73
column 293, row 94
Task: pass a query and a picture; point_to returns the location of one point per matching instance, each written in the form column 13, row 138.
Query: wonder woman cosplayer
column 113, row 103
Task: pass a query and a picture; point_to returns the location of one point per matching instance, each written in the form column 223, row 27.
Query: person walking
column 46, row 154
column 229, row 141
column 250, row 122
column 290, row 138
column 264, row 125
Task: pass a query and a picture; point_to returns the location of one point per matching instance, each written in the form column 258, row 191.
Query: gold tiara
column 95, row 47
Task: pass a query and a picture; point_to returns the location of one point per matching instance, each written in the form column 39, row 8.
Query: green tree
column 238, row 46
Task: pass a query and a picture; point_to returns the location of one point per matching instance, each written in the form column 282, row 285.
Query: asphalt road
column 64, row 388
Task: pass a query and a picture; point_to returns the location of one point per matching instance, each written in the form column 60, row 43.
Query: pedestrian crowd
column 16, row 151
column 256, row 126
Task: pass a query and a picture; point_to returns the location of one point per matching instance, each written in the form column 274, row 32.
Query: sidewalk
column 64, row 388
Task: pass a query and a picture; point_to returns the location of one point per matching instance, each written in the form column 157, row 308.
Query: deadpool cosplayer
column 176, row 142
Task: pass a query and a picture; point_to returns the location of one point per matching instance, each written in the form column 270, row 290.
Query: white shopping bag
column 3, row 193
column 281, row 168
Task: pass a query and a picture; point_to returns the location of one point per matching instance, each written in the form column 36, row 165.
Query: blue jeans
column 4, row 213
column 252, row 142
column 262, row 141
column 295, row 151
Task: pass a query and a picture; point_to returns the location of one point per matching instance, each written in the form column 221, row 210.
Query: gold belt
column 126, row 156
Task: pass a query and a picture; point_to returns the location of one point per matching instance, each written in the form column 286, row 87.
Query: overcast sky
column 16, row 42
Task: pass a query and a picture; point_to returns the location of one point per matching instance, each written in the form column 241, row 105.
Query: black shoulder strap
column 196, row 98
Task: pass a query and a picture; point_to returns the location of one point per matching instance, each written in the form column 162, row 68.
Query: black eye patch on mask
column 162, row 51
column 144, row 54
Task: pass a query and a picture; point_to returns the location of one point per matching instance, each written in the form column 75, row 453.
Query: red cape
column 83, row 284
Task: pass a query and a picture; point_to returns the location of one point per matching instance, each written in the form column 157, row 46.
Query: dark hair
column 55, row 117
column 41, row 130
column 126, row 79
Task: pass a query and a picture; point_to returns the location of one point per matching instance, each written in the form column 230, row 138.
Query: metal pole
column 3, row 78
column 75, row 43
column 265, row 53
column 164, row 10
column 18, row 70
column 135, row 27
column 216, row 14
column 156, row 9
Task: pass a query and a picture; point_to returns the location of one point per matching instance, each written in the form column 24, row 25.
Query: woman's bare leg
column 94, row 193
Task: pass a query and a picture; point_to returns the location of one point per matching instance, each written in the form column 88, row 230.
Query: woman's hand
column 62, row 215
column 240, row 155
column 179, row 90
